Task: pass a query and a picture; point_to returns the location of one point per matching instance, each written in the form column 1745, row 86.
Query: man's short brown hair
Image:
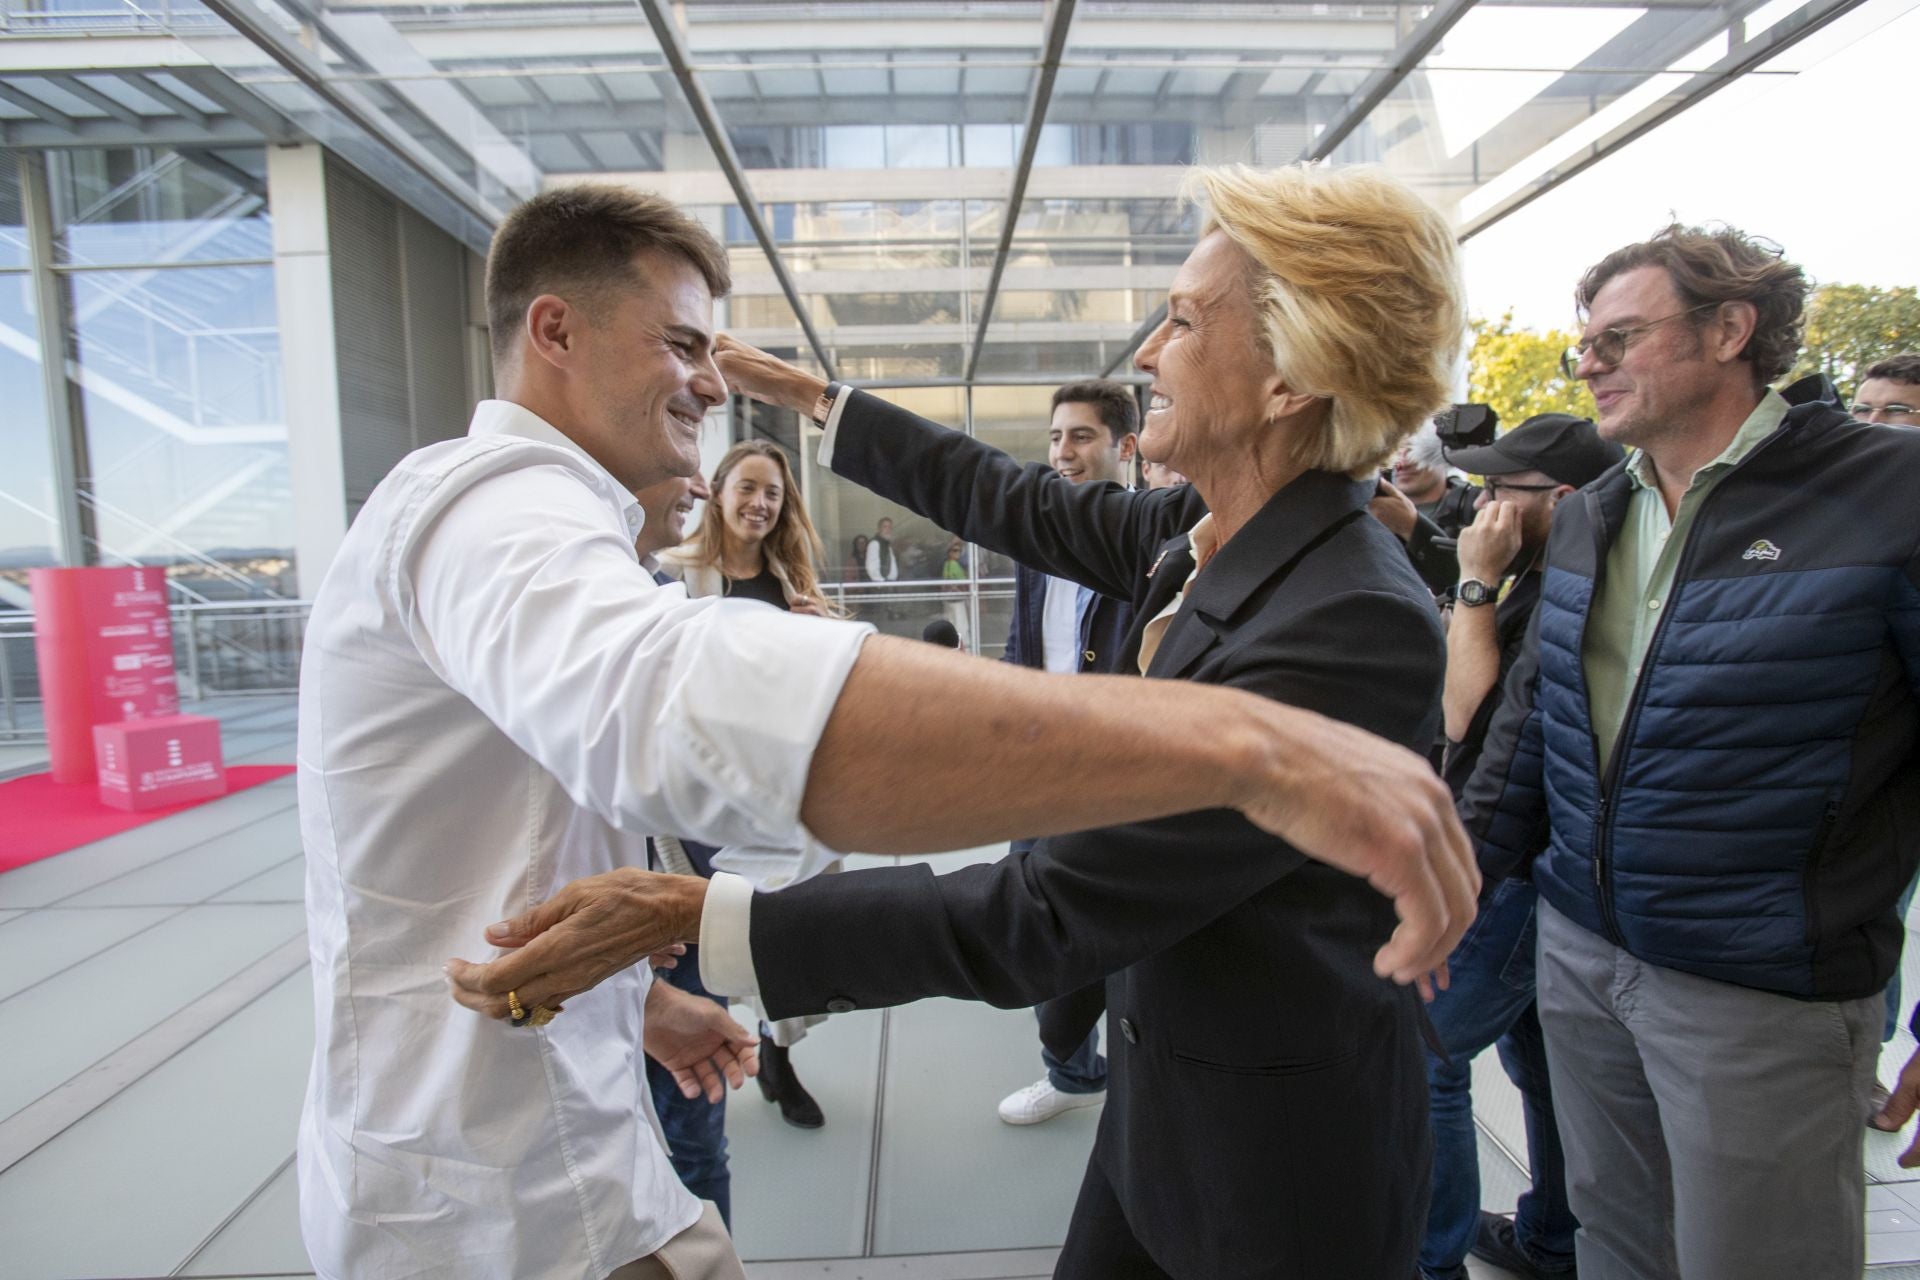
column 1904, row 368
column 1709, row 266
column 1114, row 402
column 579, row 242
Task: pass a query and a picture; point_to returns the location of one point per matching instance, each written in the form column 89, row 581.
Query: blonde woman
column 756, row 542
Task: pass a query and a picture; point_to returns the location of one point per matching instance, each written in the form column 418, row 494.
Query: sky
column 1821, row 163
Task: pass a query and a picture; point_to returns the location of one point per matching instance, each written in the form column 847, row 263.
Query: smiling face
column 666, row 506
column 1080, row 447
column 643, row 373
column 1884, row 400
column 1664, row 378
column 1213, row 373
column 751, row 498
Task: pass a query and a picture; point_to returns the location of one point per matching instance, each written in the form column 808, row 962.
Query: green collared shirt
column 1640, row 569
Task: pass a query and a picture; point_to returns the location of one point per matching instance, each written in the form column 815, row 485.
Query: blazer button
column 840, row 1004
column 1126, row 1030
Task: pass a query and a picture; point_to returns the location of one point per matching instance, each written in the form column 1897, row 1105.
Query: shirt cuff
column 726, row 942
column 831, row 426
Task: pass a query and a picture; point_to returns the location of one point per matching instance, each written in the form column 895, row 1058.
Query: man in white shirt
column 497, row 699
column 882, row 564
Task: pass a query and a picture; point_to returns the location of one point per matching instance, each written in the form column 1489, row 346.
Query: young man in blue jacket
column 1707, row 759
column 1057, row 625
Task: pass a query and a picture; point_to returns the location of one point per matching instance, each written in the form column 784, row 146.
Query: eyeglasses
column 1496, row 486
column 1609, row 346
column 1865, row 411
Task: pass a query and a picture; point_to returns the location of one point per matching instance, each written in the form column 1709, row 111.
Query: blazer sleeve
column 1504, row 802
column 1099, row 535
column 1048, row 922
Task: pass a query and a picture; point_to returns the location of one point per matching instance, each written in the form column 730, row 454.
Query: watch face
column 1473, row 592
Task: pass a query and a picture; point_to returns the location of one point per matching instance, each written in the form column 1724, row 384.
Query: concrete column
column 310, row 373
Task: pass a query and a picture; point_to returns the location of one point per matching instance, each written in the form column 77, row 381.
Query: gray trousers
column 1712, row 1132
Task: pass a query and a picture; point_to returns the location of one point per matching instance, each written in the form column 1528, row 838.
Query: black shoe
column 779, row 1084
column 1494, row 1241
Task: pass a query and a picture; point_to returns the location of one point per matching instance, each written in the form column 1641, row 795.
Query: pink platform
column 158, row 761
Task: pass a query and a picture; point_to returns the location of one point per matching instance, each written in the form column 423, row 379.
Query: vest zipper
column 1614, row 768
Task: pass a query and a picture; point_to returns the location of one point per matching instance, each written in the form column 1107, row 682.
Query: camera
column 1466, row 426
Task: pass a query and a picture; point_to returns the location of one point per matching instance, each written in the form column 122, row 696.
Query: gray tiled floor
column 171, row 1035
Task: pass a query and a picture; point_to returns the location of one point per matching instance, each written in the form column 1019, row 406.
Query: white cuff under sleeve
column 726, row 942
column 832, row 427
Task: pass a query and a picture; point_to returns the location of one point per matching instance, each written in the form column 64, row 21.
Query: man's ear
column 552, row 328
column 1731, row 329
column 1129, row 446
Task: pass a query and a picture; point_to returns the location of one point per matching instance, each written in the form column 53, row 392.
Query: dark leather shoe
column 1495, row 1241
column 779, row 1085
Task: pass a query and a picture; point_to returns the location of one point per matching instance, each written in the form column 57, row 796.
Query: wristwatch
column 1474, row 593
column 823, row 407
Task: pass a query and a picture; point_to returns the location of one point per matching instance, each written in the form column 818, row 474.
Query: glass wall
column 28, row 522
column 165, row 262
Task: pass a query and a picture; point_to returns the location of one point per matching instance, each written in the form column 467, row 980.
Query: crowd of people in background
column 1598, row 743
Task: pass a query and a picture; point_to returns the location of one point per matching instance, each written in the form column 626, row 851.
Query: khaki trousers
column 702, row 1252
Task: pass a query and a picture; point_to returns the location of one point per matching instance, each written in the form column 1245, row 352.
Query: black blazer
column 1266, row 1112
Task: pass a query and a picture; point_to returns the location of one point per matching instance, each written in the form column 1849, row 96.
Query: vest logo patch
column 1762, row 550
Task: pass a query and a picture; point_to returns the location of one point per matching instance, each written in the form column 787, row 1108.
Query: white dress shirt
column 496, row 699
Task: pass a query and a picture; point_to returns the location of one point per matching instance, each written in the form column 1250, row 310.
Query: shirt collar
column 1761, row 423
column 505, row 418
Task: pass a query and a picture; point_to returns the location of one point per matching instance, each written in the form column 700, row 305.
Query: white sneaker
column 1041, row 1101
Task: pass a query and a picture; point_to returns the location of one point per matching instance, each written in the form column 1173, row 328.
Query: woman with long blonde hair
column 755, row 540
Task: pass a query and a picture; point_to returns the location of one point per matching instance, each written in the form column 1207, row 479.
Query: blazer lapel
column 1187, row 640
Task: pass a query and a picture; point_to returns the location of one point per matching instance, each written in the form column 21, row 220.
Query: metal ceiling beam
column 146, row 85
column 41, row 109
column 1140, row 335
column 1053, row 43
column 270, row 39
column 97, row 100
column 1407, row 55
column 708, row 119
column 1742, row 58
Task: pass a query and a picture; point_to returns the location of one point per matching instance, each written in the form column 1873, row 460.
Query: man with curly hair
column 1713, row 735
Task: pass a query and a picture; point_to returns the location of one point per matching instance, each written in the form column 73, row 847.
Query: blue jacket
column 1761, row 813
column 1104, row 623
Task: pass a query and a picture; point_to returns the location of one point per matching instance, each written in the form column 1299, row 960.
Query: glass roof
column 883, row 141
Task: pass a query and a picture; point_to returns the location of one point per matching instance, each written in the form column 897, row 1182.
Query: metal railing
column 221, row 649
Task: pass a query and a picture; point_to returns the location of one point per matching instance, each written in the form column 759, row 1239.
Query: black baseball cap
column 1559, row 445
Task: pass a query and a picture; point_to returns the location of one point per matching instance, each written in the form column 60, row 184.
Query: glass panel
column 13, row 218
column 140, row 205
column 848, row 517
column 178, row 381
column 29, row 528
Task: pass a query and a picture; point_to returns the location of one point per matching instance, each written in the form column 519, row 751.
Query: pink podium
column 105, row 648
column 161, row 761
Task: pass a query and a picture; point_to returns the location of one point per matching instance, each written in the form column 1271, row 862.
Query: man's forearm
column 1004, row 751
column 1473, row 666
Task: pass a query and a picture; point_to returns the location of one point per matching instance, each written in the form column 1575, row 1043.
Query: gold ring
column 517, row 1014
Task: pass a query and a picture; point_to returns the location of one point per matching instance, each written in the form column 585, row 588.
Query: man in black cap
column 1490, row 1000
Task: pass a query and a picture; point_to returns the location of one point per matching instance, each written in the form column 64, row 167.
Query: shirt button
column 1127, row 1031
column 1653, row 604
column 840, row 1004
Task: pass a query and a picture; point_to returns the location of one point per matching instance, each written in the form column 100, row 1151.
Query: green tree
column 1517, row 371
column 1850, row 326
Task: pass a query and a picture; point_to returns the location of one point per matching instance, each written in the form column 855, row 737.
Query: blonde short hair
column 1359, row 294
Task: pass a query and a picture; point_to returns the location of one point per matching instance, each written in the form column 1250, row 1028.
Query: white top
column 1060, row 627
column 495, row 699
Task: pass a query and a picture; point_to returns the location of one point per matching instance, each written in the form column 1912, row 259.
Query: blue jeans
column 1084, row 1072
column 1893, row 984
column 1490, row 1000
column 696, row 1129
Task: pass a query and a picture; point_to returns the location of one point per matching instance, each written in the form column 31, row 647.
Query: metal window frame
column 1053, row 43
column 708, row 118
column 49, row 296
column 1401, row 63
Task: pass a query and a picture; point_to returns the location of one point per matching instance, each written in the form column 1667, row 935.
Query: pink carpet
column 40, row 817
